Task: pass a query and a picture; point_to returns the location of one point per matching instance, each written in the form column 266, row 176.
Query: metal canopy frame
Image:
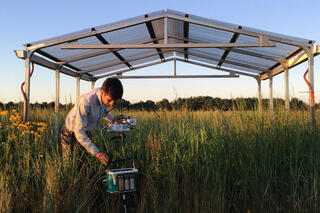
column 168, row 35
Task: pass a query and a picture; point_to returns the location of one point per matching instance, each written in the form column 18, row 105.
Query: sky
column 25, row 21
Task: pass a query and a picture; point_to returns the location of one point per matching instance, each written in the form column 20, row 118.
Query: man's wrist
column 96, row 152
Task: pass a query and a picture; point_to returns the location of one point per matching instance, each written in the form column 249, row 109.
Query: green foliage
column 204, row 161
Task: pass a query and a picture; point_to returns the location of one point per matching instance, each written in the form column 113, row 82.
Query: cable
column 310, row 88
column 312, row 94
column 24, row 94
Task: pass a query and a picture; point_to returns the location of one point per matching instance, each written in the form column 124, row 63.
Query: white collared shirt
column 85, row 116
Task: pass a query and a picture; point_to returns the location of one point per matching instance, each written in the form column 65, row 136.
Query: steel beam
column 292, row 62
column 241, row 51
column 50, row 65
column 271, row 94
column 93, row 33
column 56, row 105
column 92, row 84
column 178, row 59
column 226, row 61
column 311, row 82
column 104, row 52
column 178, row 76
column 157, row 46
column 149, row 19
column 165, row 30
column 77, row 89
column 27, row 88
column 226, row 52
column 241, row 31
column 153, row 36
column 149, row 55
column 202, row 65
column 231, row 71
column 286, row 87
column 186, row 35
column 134, row 68
column 104, row 66
column 259, row 95
column 22, row 54
column 104, row 41
column 57, row 60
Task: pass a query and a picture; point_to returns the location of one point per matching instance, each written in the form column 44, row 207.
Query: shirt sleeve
column 108, row 116
column 81, row 120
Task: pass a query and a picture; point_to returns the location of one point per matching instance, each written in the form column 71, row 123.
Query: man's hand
column 117, row 119
column 103, row 158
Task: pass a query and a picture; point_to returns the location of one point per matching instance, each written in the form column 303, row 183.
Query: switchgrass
column 205, row 161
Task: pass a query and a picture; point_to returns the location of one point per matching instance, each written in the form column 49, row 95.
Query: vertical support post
column 56, row 107
column 311, row 82
column 286, row 90
column 271, row 93
column 77, row 89
column 174, row 67
column 27, row 88
column 92, row 84
column 309, row 52
column 259, row 95
column 165, row 30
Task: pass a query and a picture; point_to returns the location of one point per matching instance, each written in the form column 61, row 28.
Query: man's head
column 111, row 91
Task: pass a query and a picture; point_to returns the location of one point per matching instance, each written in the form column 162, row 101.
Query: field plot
column 206, row 161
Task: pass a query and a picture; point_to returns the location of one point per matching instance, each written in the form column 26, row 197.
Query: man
column 85, row 116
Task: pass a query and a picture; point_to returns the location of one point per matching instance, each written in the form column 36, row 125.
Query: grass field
column 206, row 161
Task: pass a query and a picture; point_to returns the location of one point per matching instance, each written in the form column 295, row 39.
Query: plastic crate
column 121, row 180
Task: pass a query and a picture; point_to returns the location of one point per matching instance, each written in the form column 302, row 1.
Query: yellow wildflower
column 37, row 135
column 12, row 137
column 42, row 124
column 4, row 113
column 33, row 127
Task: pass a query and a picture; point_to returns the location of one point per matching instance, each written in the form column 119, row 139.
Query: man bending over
column 85, row 116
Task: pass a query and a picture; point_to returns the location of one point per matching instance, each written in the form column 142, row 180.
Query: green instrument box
column 121, row 180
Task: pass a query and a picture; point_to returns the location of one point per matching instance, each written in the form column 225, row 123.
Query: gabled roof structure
column 116, row 48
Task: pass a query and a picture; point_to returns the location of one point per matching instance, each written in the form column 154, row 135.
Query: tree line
column 210, row 103
column 192, row 104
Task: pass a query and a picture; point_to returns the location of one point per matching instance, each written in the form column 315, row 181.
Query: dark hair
column 113, row 88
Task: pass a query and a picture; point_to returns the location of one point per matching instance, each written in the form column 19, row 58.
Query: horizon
column 171, row 101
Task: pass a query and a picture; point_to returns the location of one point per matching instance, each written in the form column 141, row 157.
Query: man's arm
column 80, row 127
column 110, row 118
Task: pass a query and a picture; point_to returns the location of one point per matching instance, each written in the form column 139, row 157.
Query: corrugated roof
column 181, row 29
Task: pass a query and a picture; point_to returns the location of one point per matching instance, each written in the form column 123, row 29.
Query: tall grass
column 188, row 162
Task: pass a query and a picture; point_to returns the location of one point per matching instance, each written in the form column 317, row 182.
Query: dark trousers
column 70, row 146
